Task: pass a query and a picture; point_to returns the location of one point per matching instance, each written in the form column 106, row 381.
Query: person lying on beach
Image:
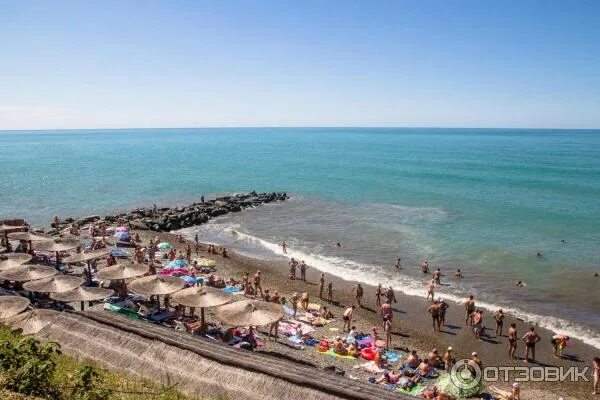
column 389, row 377
column 514, row 394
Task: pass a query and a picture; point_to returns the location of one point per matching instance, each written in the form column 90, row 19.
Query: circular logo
column 465, row 374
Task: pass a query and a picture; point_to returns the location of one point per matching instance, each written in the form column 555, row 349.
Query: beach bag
column 323, row 345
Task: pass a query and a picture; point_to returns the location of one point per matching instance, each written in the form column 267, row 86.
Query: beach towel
column 295, row 339
column 366, row 341
column 371, row 367
column 232, row 289
column 392, row 357
column 332, row 353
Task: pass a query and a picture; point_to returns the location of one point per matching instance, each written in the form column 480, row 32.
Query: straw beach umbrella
column 123, row 271
column 250, row 312
column 201, row 297
column 53, row 284
column 82, row 294
column 12, row 305
column 156, row 285
column 32, row 321
column 6, row 228
column 87, row 257
column 14, row 260
column 30, row 236
column 27, row 273
column 58, row 245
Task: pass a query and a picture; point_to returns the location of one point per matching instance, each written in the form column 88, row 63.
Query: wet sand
column 412, row 328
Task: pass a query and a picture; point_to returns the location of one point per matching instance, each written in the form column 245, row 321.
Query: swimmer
column 458, row 274
column 398, row 265
column 437, row 276
column 425, row 267
column 538, row 254
column 520, row 284
column 338, row 244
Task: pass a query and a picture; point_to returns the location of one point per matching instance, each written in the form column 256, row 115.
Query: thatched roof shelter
column 201, row 296
column 201, row 367
column 29, row 236
column 32, row 321
column 58, row 244
column 11, row 260
column 86, row 256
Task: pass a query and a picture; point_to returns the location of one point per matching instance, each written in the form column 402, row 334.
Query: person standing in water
column 398, row 265
column 284, row 247
column 431, row 290
column 425, row 266
column 458, row 275
column 437, row 276
column 321, row 285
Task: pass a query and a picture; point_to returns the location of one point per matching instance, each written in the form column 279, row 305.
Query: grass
column 123, row 387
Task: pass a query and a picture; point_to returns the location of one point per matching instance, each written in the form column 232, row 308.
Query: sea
column 484, row 201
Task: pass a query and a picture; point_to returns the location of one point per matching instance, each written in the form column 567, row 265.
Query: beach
column 411, row 327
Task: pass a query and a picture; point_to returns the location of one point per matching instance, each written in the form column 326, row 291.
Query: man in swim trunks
column 257, row 286
column 390, row 295
column 425, row 267
column 434, row 310
column 386, row 311
column 478, row 324
column 359, row 294
column 443, row 308
column 470, row 309
column 303, row 267
column 530, row 339
column 499, row 319
column 437, row 276
column 431, row 290
column 347, row 317
column 398, row 265
column 512, row 340
column 378, row 293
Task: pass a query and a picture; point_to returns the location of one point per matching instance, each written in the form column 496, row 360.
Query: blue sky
column 110, row 64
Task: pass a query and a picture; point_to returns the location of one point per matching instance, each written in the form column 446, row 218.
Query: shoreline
column 412, row 324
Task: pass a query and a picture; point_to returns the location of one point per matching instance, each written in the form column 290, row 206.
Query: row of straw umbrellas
column 68, row 288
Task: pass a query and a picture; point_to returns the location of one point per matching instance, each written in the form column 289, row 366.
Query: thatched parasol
column 82, row 294
column 57, row 245
column 86, row 256
column 12, row 305
column 29, row 236
column 201, row 297
column 249, row 312
column 32, row 321
column 53, row 284
column 123, row 271
column 6, row 227
column 27, row 273
column 156, row 285
column 14, row 260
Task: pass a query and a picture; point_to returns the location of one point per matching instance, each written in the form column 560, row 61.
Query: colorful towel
column 332, row 353
column 371, row 367
column 364, row 342
column 232, row 289
column 392, row 357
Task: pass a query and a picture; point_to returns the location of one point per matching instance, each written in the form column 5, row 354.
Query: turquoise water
column 484, row 200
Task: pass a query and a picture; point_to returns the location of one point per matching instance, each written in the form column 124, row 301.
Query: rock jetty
column 167, row 219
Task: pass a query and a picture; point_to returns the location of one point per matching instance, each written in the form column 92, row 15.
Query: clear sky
column 111, row 64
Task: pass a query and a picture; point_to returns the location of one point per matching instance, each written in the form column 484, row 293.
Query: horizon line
column 295, row 127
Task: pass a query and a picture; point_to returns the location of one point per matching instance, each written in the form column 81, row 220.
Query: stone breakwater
column 166, row 219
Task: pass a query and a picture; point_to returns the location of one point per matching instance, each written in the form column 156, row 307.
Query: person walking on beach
column 387, row 329
column 431, row 290
column 478, row 324
column 434, row 310
column 443, row 308
column 246, row 283
column 284, row 247
column 470, row 309
column 330, row 292
column 499, row 319
column 257, row 286
column 321, row 285
column 530, row 339
column 378, row 293
column 303, row 267
column 359, row 294
column 390, row 295
column 512, row 340
column 347, row 317
column 293, row 264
